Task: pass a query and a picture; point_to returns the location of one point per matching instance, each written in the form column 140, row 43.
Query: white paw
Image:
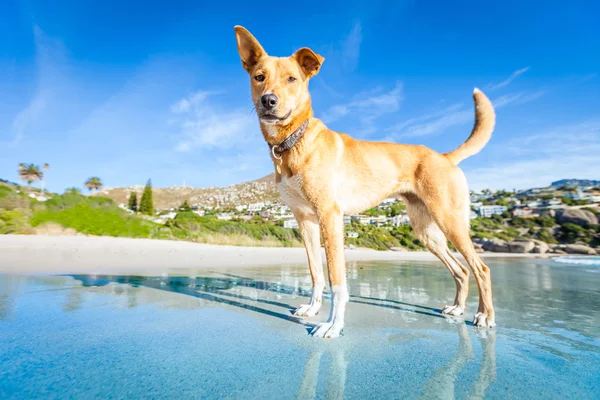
column 481, row 320
column 326, row 330
column 455, row 310
column 307, row 310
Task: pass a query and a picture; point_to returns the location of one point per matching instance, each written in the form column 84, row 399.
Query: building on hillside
column 290, row 224
column 199, row 212
column 581, row 195
column 256, row 206
column 524, row 212
column 387, row 201
column 378, row 221
column 283, row 216
column 476, row 205
column 352, row 235
column 241, row 208
column 472, row 214
column 488, row 211
column 400, row 220
column 550, row 203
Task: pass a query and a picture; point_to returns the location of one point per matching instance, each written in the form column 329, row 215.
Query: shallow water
column 230, row 334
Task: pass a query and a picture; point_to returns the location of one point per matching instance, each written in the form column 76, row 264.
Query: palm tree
column 30, row 173
column 93, row 183
column 46, row 166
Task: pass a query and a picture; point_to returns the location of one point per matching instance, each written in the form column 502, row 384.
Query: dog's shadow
column 219, row 290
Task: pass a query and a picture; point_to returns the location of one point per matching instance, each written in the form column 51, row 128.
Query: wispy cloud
column 202, row 126
column 350, row 49
column 367, row 107
column 49, row 57
column 508, row 80
column 438, row 122
column 568, row 151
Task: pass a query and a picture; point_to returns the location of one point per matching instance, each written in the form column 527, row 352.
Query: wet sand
column 72, row 254
column 230, row 333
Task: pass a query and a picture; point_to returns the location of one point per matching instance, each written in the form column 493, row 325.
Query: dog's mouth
column 272, row 118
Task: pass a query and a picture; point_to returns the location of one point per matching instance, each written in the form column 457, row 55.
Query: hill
column 259, row 190
column 574, row 183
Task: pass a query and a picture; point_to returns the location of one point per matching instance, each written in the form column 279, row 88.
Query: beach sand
column 92, row 254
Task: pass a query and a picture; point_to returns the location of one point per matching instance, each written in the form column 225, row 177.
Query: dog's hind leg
column 434, row 239
column 309, row 230
column 448, row 204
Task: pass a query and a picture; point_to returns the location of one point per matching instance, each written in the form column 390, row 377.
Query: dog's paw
column 481, row 320
column 454, row 310
column 307, row 310
column 326, row 330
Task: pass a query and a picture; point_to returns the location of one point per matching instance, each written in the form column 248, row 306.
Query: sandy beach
column 71, row 254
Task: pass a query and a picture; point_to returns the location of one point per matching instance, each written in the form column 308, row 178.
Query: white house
column 488, row 211
column 256, row 206
column 352, row 235
column 400, row 220
column 290, row 223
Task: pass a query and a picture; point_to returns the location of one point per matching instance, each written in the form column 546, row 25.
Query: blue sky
column 134, row 90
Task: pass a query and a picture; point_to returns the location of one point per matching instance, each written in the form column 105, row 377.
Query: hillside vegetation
column 72, row 213
column 101, row 216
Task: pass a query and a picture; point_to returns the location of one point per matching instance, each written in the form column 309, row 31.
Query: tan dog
column 322, row 175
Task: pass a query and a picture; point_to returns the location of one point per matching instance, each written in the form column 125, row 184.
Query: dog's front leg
column 309, row 230
column 332, row 227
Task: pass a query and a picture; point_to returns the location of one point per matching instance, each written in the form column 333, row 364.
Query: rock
column 541, row 248
column 577, row 216
column 401, row 249
column 579, row 249
column 521, row 246
column 479, row 250
column 497, row 246
column 558, row 251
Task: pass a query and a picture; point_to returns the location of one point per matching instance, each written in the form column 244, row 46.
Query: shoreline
column 99, row 254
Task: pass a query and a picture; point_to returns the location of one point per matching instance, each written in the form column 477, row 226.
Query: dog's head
column 279, row 84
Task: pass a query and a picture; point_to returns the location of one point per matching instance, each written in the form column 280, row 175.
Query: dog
column 323, row 175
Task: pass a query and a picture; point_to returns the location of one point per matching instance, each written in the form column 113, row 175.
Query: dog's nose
column 269, row 101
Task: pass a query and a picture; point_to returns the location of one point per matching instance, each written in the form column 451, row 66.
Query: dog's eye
column 291, row 79
column 260, row 77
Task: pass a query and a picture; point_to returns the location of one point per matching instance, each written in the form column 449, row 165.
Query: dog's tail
column 485, row 119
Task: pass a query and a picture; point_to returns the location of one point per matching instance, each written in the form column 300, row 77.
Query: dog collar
column 290, row 141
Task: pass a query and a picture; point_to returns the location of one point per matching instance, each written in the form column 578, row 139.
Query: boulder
column 496, row 246
column 577, row 216
column 558, row 251
column 540, row 247
column 521, row 246
column 579, row 249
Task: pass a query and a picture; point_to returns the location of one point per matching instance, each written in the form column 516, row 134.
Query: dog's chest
column 291, row 193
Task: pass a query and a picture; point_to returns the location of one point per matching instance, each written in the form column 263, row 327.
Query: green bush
column 94, row 219
column 13, row 221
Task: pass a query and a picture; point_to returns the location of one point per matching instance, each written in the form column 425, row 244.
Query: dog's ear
column 309, row 61
column 250, row 50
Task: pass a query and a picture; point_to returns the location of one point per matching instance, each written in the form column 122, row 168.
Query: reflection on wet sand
column 336, row 376
column 441, row 384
